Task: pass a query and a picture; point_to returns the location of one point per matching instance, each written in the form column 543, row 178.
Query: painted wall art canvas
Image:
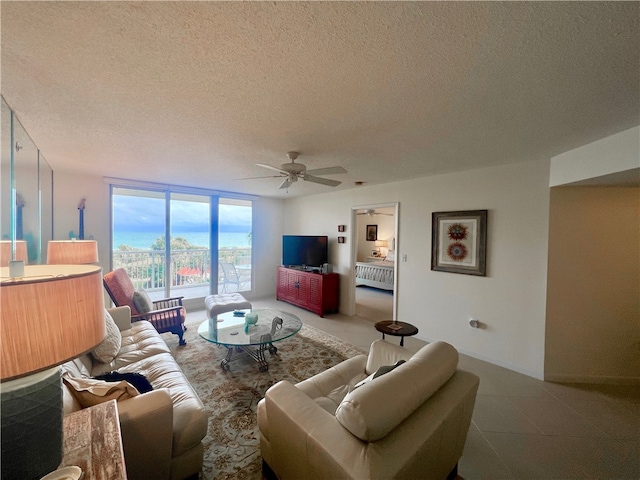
column 459, row 242
column 372, row 233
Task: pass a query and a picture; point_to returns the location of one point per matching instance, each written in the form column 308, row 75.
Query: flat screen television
column 304, row 250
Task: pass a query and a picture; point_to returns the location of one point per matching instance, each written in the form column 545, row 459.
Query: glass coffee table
column 230, row 331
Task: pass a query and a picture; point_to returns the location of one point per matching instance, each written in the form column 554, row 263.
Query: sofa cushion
column 373, row 410
column 89, row 392
column 189, row 416
column 110, row 346
column 138, row 342
column 78, row 367
column 382, row 353
column 142, row 301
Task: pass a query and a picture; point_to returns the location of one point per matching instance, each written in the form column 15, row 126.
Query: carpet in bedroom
column 232, row 445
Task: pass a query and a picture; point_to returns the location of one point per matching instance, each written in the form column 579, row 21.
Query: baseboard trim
column 591, row 379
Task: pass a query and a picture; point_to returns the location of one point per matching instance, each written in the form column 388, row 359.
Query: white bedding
column 375, row 274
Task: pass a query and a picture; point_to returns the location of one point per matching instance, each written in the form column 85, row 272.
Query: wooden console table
column 92, row 441
column 316, row 292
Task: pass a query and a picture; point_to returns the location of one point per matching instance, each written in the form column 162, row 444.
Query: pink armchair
column 166, row 315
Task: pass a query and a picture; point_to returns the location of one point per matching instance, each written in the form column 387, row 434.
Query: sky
column 141, row 214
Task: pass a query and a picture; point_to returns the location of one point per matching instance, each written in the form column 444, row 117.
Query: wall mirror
column 26, row 206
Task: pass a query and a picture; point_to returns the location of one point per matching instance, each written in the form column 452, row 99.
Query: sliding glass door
column 210, row 238
column 138, row 231
column 190, row 245
column 234, row 245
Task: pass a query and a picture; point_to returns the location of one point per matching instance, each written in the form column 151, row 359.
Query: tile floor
column 522, row 428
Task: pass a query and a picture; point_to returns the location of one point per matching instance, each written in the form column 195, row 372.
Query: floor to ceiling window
column 190, row 223
column 209, row 247
column 234, row 245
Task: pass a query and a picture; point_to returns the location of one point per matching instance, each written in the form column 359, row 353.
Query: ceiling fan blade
column 286, row 183
column 372, row 212
column 327, row 171
column 253, row 178
column 323, row 181
column 272, row 168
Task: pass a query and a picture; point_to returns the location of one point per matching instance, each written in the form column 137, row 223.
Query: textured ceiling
column 197, row 93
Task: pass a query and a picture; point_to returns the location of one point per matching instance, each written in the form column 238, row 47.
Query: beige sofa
column 409, row 423
column 162, row 430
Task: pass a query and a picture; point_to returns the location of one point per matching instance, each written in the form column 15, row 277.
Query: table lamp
column 50, row 315
column 381, row 243
column 72, row 252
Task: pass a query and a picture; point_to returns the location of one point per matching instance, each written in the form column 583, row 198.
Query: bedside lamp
column 52, row 314
column 379, row 244
column 72, row 252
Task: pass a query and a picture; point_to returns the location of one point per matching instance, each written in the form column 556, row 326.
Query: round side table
column 396, row 329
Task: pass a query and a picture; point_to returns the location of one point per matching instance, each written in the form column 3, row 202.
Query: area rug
column 232, row 445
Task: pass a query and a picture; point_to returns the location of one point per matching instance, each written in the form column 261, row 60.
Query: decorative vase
column 251, row 318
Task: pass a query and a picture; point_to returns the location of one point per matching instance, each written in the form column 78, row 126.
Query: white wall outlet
column 404, row 257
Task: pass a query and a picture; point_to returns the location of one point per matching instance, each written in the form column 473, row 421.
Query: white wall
column 509, row 301
column 612, row 154
column 69, row 188
column 593, row 302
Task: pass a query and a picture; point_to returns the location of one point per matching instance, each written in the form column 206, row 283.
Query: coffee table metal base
column 250, row 337
column 242, row 351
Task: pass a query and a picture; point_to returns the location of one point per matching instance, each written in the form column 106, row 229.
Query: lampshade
column 5, row 251
column 50, row 315
column 381, row 243
column 72, row 252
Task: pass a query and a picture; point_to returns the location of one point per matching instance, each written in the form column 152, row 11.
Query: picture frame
column 459, row 242
column 341, row 228
column 341, row 239
column 372, row 233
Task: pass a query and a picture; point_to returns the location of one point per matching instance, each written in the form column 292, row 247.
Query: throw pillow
column 138, row 380
column 379, row 372
column 142, row 301
column 107, row 350
column 89, row 392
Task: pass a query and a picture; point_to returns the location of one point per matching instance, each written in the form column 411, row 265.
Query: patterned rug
column 232, row 445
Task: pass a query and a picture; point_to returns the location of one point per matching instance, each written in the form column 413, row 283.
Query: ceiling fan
column 371, row 212
column 292, row 171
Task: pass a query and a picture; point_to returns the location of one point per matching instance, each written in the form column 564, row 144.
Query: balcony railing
column 146, row 268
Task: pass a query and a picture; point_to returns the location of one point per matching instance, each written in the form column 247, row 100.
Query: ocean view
column 144, row 240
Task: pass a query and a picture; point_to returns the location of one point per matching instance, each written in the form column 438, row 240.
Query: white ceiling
column 196, row 93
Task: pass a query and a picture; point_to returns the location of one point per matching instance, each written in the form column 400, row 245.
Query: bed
column 375, row 274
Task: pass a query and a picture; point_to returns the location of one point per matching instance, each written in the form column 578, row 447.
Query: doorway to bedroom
column 375, row 242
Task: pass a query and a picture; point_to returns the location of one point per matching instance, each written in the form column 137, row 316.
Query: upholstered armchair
column 354, row 422
column 166, row 315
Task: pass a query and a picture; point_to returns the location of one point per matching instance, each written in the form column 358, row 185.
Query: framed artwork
column 341, row 228
column 459, row 242
column 372, row 233
column 341, row 239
